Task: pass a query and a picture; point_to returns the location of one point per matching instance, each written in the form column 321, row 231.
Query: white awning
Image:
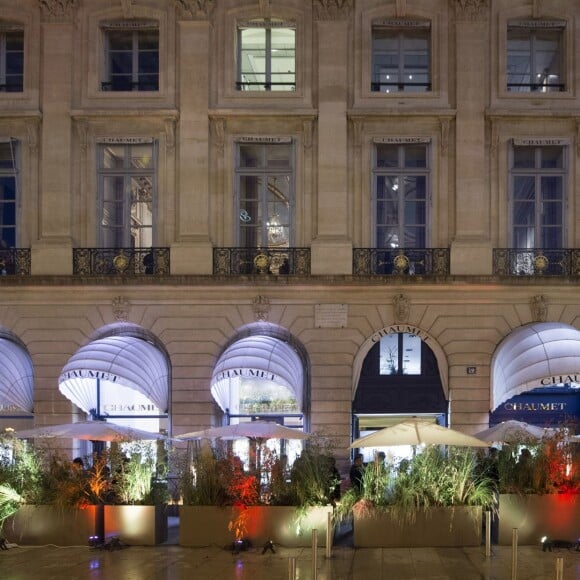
column 122, row 360
column 263, row 358
column 530, row 354
column 16, row 376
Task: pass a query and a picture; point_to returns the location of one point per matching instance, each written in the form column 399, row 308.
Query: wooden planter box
column 436, row 527
column 554, row 515
column 208, row 525
column 136, row 525
column 45, row 524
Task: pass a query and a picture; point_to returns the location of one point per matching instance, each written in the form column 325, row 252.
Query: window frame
column 264, row 172
column 4, row 74
column 401, row 172
column 538, row 173
column 126, row 173
column 533, row 28
column 14, row 172
column 268, row 25
column 137, row 27
column 400, row 28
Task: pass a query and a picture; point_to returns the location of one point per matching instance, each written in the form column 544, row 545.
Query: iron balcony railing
column 402, row 87
column 15, row 262
column 249, row 261
column 400, row 261
column 536, row 262
column 120, row 261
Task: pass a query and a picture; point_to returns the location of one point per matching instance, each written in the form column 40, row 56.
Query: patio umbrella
column 89, row 431
column 417, row 432
column 263, row 430
column 514, row 432
column 258, row 432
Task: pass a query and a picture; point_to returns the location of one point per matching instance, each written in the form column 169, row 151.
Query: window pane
column 524, row 157
column 389, row 355
column 387, row 156
column 250, row 156
column 552, row 157
column 415, row 156
column 112, row 157
column 141, row 156
column 411, row 354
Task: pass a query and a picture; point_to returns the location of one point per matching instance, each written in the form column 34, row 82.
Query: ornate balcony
column 536, row 262
column 249, row 261
column 15, row 262
column 120, row 261
column 400, row 261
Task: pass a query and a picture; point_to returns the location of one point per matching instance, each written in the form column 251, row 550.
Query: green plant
column 432, row 478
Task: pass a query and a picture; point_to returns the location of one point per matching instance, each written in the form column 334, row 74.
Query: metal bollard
column 328, row 535
column 291, row 568
column 514, row 553
column 560, row 568
column 487, row 534
column 314, row 554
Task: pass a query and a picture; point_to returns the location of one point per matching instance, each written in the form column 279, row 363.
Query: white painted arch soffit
column 262, row 358
column 16, row 376
column 124, row 360
column 531, row 353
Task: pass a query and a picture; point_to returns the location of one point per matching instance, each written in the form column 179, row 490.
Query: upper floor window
column 538, row 176
column 11, row 59
column 131, row 56
column 401, row 194
column 401, row 56
column 8, row 192
column 265, row 194
column 535, row 56
column 127, row 194
column 266, row 56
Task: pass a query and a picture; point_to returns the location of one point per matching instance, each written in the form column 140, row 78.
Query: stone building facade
column 223, row 137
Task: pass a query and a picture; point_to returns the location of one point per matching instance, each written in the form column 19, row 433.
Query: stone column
column 332, row 246
column 471, row 251
column 52, row 251
column 192, row 252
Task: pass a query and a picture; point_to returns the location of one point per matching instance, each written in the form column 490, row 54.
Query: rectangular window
column 131, row 57
column 400, row 195
column 401, row 59
column 11, row 60
column 538, row 175
column 400, row 354
column 127, row 195
column 265, row 194
column 266, row 56
column 8, row 193
column 535, row 57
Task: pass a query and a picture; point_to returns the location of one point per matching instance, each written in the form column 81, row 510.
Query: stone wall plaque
column 330, row 315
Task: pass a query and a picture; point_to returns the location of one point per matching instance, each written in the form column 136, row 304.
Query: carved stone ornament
column 58, row 9
column 196, row 9
column 472, row 9
column 401, row 308
column 121, row 307
column 33, row 132
column 261, row 307
column 219, row 133
column 539, row 308
column 332, row 9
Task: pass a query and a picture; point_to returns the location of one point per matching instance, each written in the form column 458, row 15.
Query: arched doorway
column 399, row 376
column 16, row 382
column 535, row 374
column 121, row 375
column 263, row 374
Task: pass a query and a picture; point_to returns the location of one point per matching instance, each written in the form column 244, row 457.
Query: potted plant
column 539, row 484
column 434, row 499
column 236, row 506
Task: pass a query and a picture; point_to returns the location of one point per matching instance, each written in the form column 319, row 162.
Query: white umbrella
column 253, row 430
column 90, row 431
column 417, row 432
column 514, row 432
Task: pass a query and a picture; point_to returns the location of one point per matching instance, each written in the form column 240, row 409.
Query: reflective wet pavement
column 172, row 562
